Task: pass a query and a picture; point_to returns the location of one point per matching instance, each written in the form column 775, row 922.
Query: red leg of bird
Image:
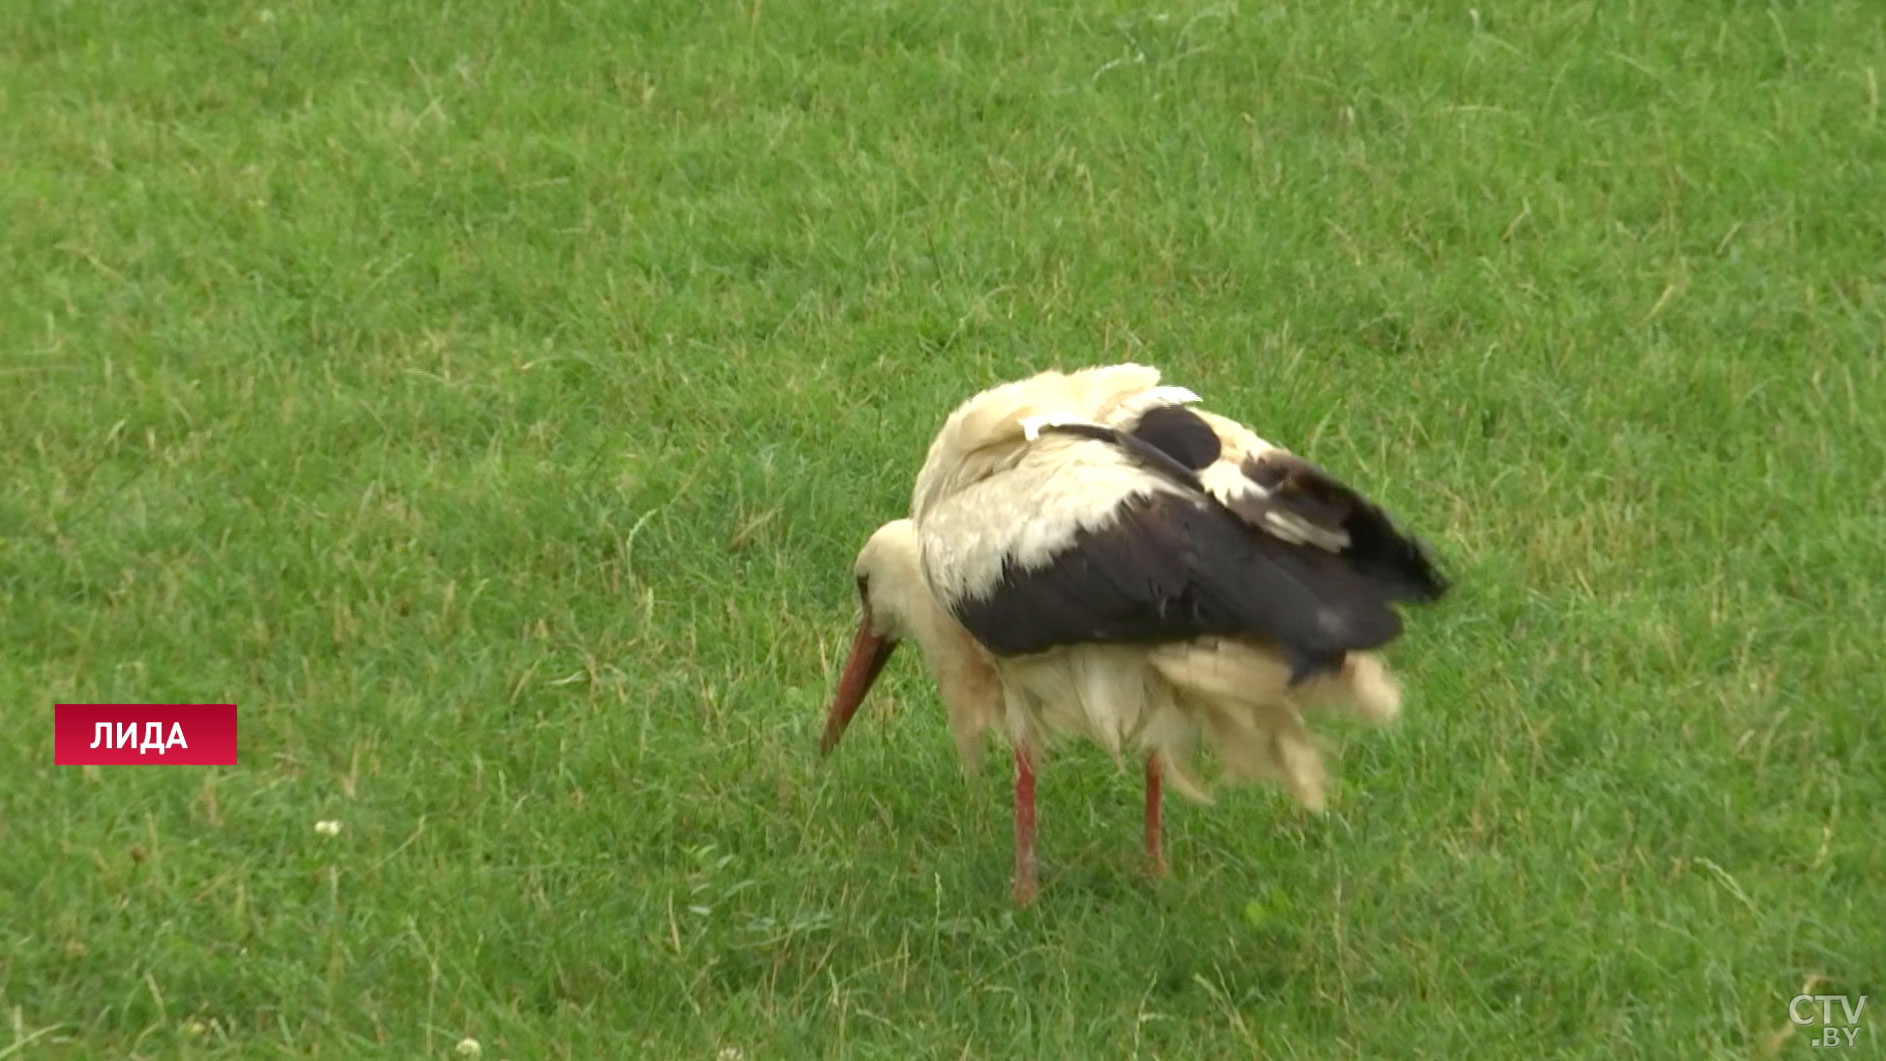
column 1025, row 867
column 1155, row 846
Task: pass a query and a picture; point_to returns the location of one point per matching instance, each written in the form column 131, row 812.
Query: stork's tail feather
column 1238, row 697
column 1363, row 689
column 1268, row 743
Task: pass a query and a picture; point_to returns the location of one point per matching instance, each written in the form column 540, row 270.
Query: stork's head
column 892, row 598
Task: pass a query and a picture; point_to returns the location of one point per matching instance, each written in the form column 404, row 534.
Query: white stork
column 1086, row 555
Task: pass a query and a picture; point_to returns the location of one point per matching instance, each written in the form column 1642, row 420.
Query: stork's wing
column 1282, row 495
column 1288, row 496
column 1096, row 547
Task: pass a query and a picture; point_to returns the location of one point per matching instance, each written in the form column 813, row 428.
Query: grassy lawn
column 490, row 399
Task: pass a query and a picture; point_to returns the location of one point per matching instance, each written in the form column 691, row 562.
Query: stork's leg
column 1026, row 885
column 1155, row 847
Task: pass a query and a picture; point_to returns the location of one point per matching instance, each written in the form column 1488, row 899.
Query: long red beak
column 869, row 653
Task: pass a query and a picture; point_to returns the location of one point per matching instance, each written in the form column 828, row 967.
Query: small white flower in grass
column 328, row 827
column 731, row 1053
column 469, row 1048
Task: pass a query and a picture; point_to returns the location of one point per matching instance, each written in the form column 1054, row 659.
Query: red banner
column 144, row 734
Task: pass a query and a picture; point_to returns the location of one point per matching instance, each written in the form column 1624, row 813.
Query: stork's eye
column 864, row 587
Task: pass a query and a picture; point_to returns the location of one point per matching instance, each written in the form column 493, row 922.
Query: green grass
column 490, row 400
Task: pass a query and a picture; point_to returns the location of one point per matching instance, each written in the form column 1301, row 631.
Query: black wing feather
column 1173, row 568
column 1402, row 562
column 1377, row 547
column 1177, row 567
column 1180, row 433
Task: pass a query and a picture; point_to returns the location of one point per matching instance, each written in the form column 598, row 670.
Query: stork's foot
column 1027, row 887
column 1027, row 872
column 1155, row 823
